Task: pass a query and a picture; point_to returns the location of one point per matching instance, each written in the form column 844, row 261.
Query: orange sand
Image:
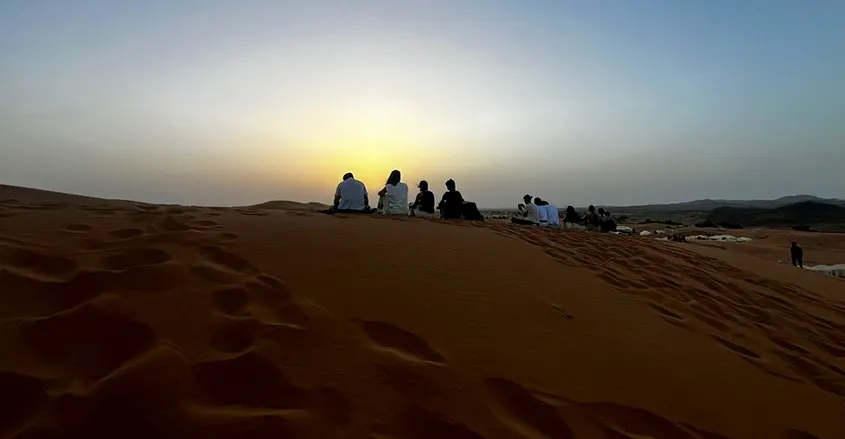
column 126, row 320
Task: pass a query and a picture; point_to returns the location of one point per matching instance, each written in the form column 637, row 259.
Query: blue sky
column 579, row 102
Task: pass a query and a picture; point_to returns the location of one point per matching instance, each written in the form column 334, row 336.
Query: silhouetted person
column 607, row 223
column 797, row 255
column 424, row 204
column 452, row 203
column 350, row 196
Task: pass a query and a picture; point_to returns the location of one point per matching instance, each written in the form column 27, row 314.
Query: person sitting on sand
column 551, row 214
column 796, row 253
column 542, row 215
column 608, row 224
column 571, row 218
column 451, row 205
column 592, row 219
column 350, row 196
column 393, row 198
column 423, row 206
column 528, row 215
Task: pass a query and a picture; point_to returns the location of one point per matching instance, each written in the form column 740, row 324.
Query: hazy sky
column 605, row 102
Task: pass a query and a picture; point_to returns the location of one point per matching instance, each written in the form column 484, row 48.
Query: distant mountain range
column 708, row 204
column 802, row 214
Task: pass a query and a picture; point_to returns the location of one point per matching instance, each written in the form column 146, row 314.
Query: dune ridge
column 122, row 319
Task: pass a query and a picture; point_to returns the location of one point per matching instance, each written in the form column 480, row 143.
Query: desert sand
column 132, row 320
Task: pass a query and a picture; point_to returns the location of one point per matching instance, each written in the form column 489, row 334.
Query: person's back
column 427, row 202
column 542, row 217
column 552, row 215
column 353, row 195
column 592, row 219
column 532, row 213
column 451, row 205
column 397, row 199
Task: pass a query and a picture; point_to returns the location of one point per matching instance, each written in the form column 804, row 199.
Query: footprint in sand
column 171, row 224
column 249, row 380
column 231, row 301
column 206, row 223
column 38, row 263
column 91, row 341
column 77, row 227
column 225, row 259
column 520, row 410
column 631, row 422
column 236, row 335
column 400, row 342
column 21, row 398
column 135, row 257
column 126, row 233
column 423, row 424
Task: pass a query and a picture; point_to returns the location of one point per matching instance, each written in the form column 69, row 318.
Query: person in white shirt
column 351, row 196
column 394, row 197
column 551, row 214
column 542, row 216
column 528, row 214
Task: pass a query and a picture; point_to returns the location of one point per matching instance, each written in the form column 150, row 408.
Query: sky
column 224, row 102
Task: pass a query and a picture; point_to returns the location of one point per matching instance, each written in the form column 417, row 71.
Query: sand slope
column 129, row 320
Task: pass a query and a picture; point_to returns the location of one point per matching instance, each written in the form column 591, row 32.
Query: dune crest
column 122, row 319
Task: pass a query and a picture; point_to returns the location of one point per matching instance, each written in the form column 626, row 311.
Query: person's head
column 527, row 199
column 601, row 211
column 347, row 176
column 591, row 209
column 570, row 209
column 423, row 186
column 450, row 184
column 538, row 201
column 794, row 244
column 607, row 213
column 394, row 178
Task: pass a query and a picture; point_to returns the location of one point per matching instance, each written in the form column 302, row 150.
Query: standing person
column 394, row 197
column 452, row 203
column 542, row 216
column 350, row 196
column 423, row 206
column 552, row 214
column 527, row 213
column 797, row 255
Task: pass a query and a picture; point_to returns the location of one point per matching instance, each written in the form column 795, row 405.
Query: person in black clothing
column 797, row 255
column 571, row 216
column 451, row 206
column 424, row 204
column 593, row 219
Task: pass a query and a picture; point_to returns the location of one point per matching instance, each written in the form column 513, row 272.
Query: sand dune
column 139, row 321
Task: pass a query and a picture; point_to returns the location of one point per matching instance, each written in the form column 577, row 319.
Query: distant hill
column 13, row 194
column 708, row 204
column 805, row 213
column 290, row 205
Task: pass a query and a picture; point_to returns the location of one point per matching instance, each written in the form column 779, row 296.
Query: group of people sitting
column 540, row 213
column 351, row 197
column 544, row 214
